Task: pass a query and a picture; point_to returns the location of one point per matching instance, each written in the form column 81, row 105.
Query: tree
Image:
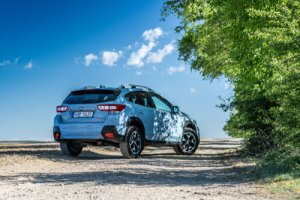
column 256, row 45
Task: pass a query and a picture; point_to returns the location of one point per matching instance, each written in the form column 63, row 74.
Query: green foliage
column 276, row 164
column 256, row 45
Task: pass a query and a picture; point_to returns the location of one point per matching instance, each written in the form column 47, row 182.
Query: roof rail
column 134, row 86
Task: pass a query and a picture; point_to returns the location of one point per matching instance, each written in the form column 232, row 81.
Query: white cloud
column 136, row 58
column 152, row 34
column 9, row 62
column 158, row 56
column 138, row 73
column 172, row 70
column 29, row 65
column 89, row 59
column 192, row 90
column 110, row 57
column 16, row 60
column 129, row 47
column 5, row 62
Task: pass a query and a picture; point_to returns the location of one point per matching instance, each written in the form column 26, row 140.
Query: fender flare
column 138, row 122
column 191, row 124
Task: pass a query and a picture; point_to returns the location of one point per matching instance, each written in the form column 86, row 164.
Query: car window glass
column 131, row 97
column 140, row 98
column 90, row 96
column 160, row 104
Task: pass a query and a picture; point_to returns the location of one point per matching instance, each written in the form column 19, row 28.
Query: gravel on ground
column 33, row 170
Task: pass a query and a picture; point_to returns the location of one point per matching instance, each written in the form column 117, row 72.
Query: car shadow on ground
column 55, row 154
column 51, row 151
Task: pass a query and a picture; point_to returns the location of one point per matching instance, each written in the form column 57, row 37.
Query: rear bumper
column 82, row 132
column 92, row 131
column 118, row 137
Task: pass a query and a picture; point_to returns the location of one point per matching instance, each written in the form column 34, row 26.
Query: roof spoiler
column 88, row 88
column 134, row 86
column 101, row 86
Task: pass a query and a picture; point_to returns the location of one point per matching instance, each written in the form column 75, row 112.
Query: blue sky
column 48, row 48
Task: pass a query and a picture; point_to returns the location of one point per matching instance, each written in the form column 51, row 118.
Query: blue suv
column 129, row 117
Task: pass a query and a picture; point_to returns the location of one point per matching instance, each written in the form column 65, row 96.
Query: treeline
column 255, row 44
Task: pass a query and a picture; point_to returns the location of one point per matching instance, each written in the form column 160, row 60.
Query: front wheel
column 70, row 148
column 188, row 144
column 133, row 144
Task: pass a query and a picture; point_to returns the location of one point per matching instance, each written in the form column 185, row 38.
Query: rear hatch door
column 82, row 105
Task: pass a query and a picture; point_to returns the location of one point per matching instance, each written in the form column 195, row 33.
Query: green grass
column 282, row 187
column 278, row 174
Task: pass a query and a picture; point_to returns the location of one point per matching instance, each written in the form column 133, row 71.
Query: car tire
column 70, row 148
column 188, row 143
column 133, row 144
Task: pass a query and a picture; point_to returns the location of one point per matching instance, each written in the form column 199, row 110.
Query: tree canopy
column 256, row 45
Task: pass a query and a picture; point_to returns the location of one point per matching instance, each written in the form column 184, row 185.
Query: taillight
column 57, row 136
column 61, row 108
column 109, row 135
column 111, row 107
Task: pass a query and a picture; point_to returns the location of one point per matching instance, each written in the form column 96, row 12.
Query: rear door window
column 140, row 98
column 91, row 96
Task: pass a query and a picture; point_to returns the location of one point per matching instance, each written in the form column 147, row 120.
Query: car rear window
column 91, row 96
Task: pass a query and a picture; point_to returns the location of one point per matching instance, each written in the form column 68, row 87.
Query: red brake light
column 61, row 108
column 109, row 135
column 111, row 107
column 57, row 136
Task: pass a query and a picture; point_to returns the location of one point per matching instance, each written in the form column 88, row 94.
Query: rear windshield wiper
column 90, row 101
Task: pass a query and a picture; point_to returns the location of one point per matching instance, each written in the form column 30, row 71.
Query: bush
column 277, row 164
column 255, row 45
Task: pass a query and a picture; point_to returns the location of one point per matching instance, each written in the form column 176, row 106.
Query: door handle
column 141, row 112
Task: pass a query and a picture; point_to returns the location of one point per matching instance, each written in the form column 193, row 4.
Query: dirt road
column 40, row 171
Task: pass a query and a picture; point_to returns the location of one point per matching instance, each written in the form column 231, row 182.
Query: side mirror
column 175, row 109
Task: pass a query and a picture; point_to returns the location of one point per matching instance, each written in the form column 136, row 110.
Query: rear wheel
column 70, row 148
column 188, row 144
column 133, row 145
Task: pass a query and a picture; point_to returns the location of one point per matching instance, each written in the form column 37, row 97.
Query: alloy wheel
column 188, row 142
column 135, row 142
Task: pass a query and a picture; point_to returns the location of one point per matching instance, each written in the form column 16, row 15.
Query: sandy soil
column 40, row 171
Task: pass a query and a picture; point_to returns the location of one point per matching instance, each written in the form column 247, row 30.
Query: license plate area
column 83, row 114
